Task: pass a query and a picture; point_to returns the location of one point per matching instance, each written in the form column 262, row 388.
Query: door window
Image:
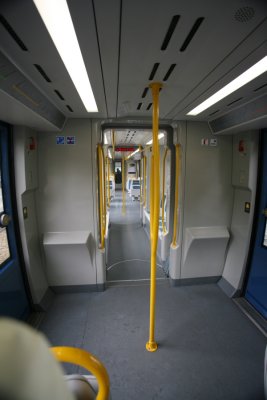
column 4, row 246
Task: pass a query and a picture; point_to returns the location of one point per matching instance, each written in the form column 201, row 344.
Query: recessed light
column 160, row 136
column 57, row 19
column 253, row 72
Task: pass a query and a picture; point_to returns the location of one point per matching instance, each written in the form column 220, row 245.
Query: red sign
column 125, row 148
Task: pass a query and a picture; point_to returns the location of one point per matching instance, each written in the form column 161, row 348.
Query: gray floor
column 208, row 349
column 129, row 248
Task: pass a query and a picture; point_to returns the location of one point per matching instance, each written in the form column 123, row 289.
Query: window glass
column 4, row 247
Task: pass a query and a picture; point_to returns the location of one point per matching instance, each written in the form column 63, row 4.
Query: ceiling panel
column 121, row 44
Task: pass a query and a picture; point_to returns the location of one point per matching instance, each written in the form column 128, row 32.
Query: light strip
column 160, row 136
column 253, row 72
column 132, row 154
column 57, row 19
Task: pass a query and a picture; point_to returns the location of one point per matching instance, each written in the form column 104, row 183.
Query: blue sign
column 60, row 139
column 71, row 139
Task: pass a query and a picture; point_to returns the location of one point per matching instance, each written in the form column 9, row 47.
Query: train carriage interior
column 133, row 199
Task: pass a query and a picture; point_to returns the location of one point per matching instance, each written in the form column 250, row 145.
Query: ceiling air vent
column 12, row 33
column 59, row 94
column 144, row 92
column 260, row 87
column 214, row 112
column 69, row 108
column 169, row 72
column 170, row 31
column 235, row 101
column 139, row 106
column 153, row 72
column 192, row 33
column 149, row 106
column 41, row 71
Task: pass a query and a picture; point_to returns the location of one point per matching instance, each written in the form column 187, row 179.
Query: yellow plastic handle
column 86, row 360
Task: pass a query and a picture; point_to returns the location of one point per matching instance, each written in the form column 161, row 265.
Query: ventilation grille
column 69, row 108
column 149, row 106
column 235, row 101
column 153, row 72
column 170, row 32
column 260, row 87
column 59, row 94
column 214, row 112
column 144, row 92
column 191, row 34
column 139, row 106
column 42, row 72
column 169, row 72
column 12, row 33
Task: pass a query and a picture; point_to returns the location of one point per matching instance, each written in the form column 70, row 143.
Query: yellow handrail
column 123, row 184
column 163, row 190
column 86, row 360
column 151, row 345
column 144, row 181
column 113, row 144
column 102, row 212
column 105, row 189
column 177, row 175
column 108, row 175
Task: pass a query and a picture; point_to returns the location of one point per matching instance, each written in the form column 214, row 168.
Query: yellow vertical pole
column 108, row 177
column 104, row 191
column 123, row 184
column 113, row 144
column 163, row 191
column 100, row 185
column 151, row 196
column 144, row 179
column 177, row 174
column 151, row 345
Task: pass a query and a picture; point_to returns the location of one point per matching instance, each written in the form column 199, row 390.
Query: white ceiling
column 121, row 41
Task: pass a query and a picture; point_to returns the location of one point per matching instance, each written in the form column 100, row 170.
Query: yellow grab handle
column 88, row 361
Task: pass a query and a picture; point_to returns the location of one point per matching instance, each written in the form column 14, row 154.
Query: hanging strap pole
column 151, row 345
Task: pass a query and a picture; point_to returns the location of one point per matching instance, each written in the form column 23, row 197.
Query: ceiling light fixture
column 160, row 136
column 57, row 19
column 253, row 72
column 132, row 154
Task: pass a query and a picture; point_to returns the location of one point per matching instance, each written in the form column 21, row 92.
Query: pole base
column 151, row 346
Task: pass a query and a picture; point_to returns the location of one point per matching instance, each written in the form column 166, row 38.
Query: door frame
column 256, row 213
column 13, row 199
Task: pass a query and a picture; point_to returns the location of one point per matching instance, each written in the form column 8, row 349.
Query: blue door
column 13, row 299
column 256, row 291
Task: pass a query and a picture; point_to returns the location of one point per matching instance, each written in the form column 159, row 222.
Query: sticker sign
column 60, row 139
column 71, row 139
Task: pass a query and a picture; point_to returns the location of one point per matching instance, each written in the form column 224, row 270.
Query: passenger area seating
column 135, row 189
column 29, row 370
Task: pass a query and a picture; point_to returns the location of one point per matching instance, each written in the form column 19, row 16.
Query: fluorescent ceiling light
column 109, row 153
column 160, row 136
column 57, row 19
column 105, row 139
column 133, row 153
column 253, row 72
